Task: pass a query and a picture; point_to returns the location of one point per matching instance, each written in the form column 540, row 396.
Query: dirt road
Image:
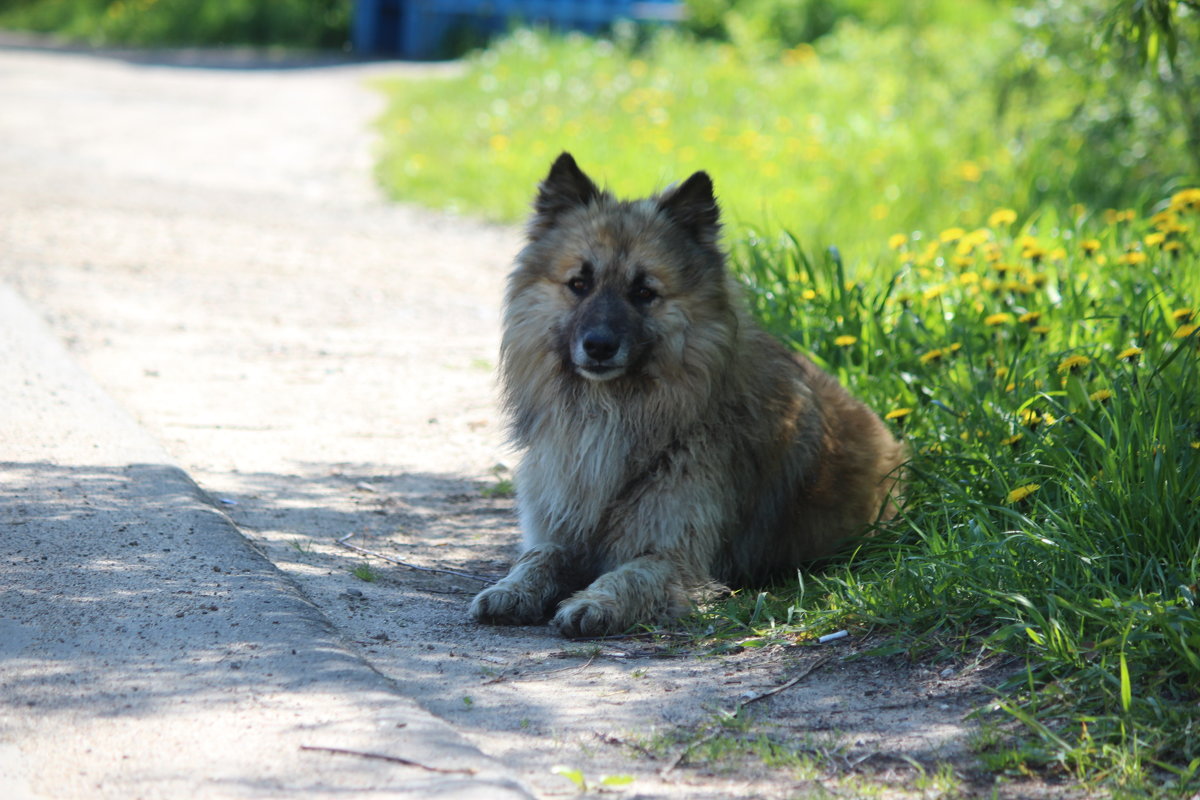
column 211, row 246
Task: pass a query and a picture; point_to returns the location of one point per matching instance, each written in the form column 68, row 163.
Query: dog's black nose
column 600, row 345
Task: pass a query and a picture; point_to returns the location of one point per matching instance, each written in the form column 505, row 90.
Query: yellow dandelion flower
column 1002, row 216
column 1012, row 440
column 1040, row 330
column 809, row 294
column 933, row 355
column 992, row 320
column 1021, row 492
column 1073, row 364
column 1153, row 239
column 1029, row 418
column 1196, row 445
column 951, row 234
column 845, row 341
column 934, row 292
column 897, row 240
column 1132, row 258
column 1184, row 331
column 1188, row 199
column 962, row 262
column 1101, row 396
column 1030, row 317
column 1058, row 254
column 1164, row 219
column 1129, row 354
column 1090, row 246
column 1182, row 315
column 970, row 171
column 898, row 413
column 968, row 278
column 1173, row 247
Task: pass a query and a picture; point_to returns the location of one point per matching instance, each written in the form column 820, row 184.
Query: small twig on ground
column 682, row 754
column 609, row 738
column 783, row 686
column 344, row 542
column 392, row 759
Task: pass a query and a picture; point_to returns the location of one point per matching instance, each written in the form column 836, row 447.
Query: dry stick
column 345, row 543
column 682, row 754
column 391, row 759
column 783, row 686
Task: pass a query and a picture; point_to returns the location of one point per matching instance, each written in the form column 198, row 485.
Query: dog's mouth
column 600, row 372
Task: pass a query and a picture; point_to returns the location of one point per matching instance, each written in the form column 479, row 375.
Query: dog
column 670, row 444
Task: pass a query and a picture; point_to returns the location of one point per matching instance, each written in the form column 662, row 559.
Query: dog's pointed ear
column 566, row 187
column 693, row 206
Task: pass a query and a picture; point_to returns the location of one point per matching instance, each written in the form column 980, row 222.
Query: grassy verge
column 1047, row 378
column 865, row 133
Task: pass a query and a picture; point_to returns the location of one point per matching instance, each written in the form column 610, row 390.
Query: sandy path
column 211, row 245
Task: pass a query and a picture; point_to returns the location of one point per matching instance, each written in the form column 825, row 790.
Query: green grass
column 1047, row 380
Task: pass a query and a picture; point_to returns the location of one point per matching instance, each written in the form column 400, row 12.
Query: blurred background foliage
column 303, row 24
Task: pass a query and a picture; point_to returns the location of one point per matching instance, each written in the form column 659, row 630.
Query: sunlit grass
column 866, row 133
column 1049, row 386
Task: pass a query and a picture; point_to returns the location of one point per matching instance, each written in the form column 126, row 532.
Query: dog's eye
column 579, row 285
column 643, row 295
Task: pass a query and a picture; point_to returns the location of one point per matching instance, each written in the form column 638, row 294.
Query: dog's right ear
column 566, row 187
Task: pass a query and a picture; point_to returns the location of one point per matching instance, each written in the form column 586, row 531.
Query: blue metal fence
column 418, row 28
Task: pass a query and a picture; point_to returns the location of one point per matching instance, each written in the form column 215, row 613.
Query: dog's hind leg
column 538, row 580
column 650, row 588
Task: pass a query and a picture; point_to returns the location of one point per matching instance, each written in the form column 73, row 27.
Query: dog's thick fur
column 669, row 442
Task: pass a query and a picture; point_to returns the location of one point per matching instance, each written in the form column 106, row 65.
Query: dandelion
column 1183, row 315
column 1040, row 330
column 1073, row 364
column 1034, row 252
column 1174, row 248
column 937, row 354
column 1129, row 354
column 1132, row 258
column 1030, row 317
column 1186, row 200
column 897, row 240
column 898, row 414
column 1029, row 418
column 1022, row 492
column 992, row 320
column 1002, row 216
column 1154, row 239
column 1010, row 441
column 1101, row 396
column 1184, row 331
column 845, row 341
column 1089, row 246
column 951, row 235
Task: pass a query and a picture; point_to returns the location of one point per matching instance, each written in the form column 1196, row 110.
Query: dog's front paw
column 582, row 617
column 504, row 605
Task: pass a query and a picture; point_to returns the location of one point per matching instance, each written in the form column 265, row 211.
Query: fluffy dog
column 669, row 443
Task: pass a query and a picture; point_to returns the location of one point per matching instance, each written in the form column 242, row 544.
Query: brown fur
column 669, row 442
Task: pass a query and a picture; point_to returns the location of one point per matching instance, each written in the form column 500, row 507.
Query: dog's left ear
column 693, row 206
